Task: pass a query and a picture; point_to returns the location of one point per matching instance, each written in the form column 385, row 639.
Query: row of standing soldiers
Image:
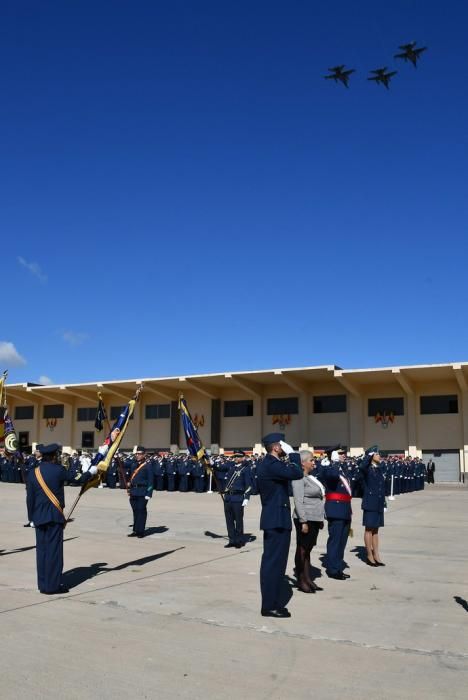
column 182, row 473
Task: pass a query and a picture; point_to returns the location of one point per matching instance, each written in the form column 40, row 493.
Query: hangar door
column 447, row 464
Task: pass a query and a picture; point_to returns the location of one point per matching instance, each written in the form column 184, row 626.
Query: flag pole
column 82, row 490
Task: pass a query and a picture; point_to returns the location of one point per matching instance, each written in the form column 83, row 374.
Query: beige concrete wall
column 440, row 432
column 328, row 428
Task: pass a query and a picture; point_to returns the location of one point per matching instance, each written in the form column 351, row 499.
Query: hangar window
column 238, row 409
column 54, row 410
column 395, row 405
column 281, row 406
column 158, row 410
column 335, row 403
column 86, row 414
column 24, row 412
column 439, row 404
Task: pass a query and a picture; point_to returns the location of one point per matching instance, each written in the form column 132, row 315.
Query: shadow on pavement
column 74, row 577
column 462, row 602
column 4, row 552
column 156, row 530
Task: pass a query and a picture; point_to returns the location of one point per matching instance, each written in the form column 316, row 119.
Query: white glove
column 31, row 525
column 286, row 448
column 245, row 501
column 103, row 450
column 147, row 498
column 93, row 470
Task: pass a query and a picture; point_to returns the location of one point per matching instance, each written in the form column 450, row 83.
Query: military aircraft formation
column 410, row 52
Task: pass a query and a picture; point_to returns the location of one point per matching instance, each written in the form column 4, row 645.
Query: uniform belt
column 232, row 493
column 338, row 497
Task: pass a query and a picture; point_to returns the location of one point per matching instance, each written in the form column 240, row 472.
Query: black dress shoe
column 282, row 613
column 345, row 575
column 132, row 534
column 27, row 525
column 229, row 544
column 338, row 577
column 140, row 536
column 315, row 587
column 371, row 563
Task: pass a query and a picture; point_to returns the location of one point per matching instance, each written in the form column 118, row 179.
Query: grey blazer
column 308, row 500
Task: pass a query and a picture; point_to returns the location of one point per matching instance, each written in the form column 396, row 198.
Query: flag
column 3, row 408
column 101, row 414
column 107, row 451
column 10, row 439
column 194, row 444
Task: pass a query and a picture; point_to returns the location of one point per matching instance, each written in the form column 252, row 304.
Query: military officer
column 236, row 496
column 46, row 502
column 158, row 471
column 140, row 490
column 373, row 503
column 30, row 464
column 280, row 466
column 334, row 476
column 199, row 476
column 171, row 472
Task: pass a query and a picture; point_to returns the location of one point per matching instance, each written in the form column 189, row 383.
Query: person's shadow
column 462, row 602
column 74, row 577
column 286, row 591
column 214, row 536
column 156, row 530
column 4, row 552
column 361, row 552
column 248, row 538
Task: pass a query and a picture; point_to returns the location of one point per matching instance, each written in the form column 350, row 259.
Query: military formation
column 331, row 478
column 182, row 473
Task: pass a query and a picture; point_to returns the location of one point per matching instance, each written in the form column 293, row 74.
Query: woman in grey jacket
column 309, row 496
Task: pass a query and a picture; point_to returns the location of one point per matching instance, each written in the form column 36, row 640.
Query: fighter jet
column 338, row 73
column 381, row 76
column 410, row 52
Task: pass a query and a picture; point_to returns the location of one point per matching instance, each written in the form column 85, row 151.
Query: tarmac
column 175, row 615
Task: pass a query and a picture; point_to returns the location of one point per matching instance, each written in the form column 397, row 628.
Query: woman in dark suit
column 373, row 503
column 308, row 495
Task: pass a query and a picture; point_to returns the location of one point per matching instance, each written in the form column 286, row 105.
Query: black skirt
column 308, row 540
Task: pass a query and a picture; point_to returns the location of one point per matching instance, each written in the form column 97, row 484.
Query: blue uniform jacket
column 273, row 477
column 142, row 484
column 237, row 477
column 329, row 475
column 39, row 505
column 373, row 486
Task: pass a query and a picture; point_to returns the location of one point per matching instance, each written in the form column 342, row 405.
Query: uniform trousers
column 276, row 543
column 338, row 531
column 49, row 556
column 159, row 482
column 171, row 482
column 234, row 514
column 140, row 514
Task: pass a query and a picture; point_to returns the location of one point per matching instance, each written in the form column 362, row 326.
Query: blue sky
column 181, row 191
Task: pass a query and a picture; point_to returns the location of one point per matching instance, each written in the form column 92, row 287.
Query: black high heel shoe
column 379, row 563
column 371, row 563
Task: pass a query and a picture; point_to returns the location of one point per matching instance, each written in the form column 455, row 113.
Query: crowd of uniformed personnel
column 173, row 472
column 332, row 478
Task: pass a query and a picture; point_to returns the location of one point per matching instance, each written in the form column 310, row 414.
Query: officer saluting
column 46, row 501
column 273, row 476
column 333, row 474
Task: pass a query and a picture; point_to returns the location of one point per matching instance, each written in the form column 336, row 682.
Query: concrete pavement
column 176, row 615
